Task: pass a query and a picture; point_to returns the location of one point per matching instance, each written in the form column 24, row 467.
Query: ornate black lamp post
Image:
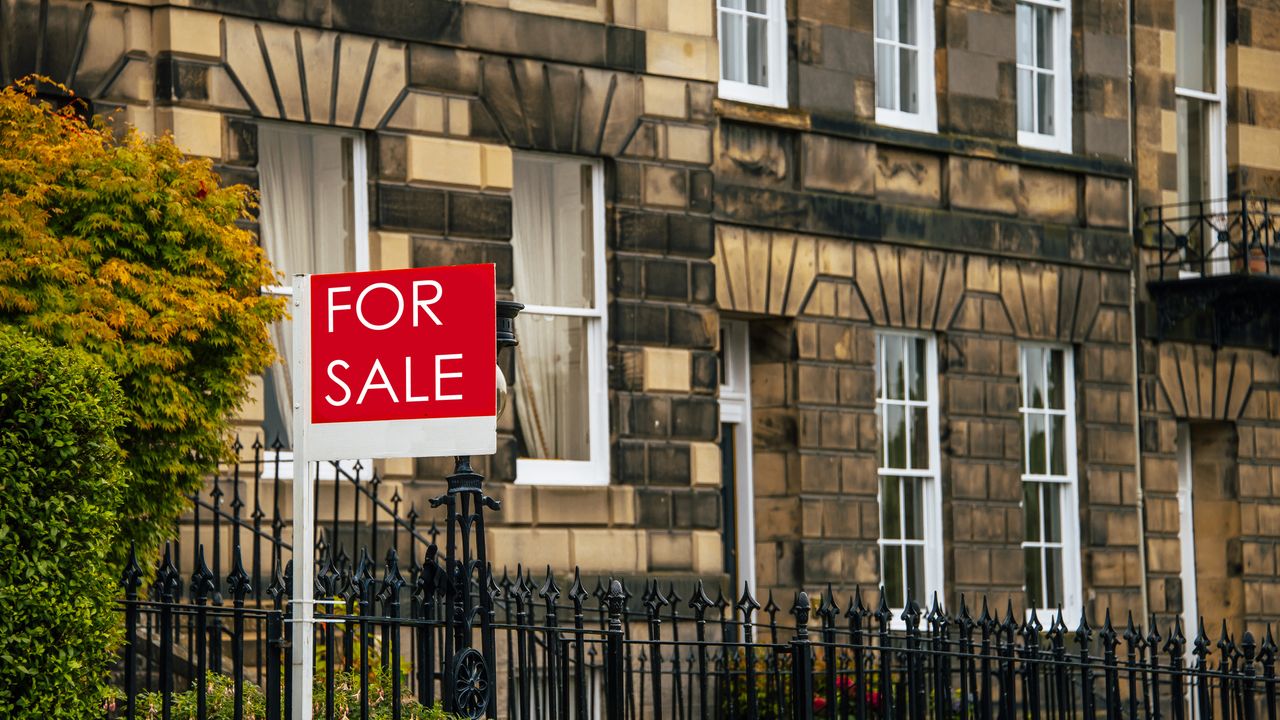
column 469, row 689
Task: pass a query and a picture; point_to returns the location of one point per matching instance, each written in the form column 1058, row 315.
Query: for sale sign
column 399, row 363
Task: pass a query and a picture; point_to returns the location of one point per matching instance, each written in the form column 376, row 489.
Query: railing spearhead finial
column 238, row 579
column 800, row 610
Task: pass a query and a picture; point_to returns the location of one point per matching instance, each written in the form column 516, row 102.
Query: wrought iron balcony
column 1216, row 237
column 1216, row 274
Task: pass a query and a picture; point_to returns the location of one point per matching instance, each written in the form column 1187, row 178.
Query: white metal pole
column 303, row 506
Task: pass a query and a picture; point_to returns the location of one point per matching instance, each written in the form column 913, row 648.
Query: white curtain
column 305, row 222
column 552, row 268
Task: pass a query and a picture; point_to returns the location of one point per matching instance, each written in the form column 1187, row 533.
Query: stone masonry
column 812, row 223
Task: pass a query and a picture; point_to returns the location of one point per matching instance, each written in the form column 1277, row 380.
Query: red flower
column 819, row 703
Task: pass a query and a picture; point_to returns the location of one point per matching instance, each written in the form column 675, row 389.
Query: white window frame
column 735, row 409
column 360, row 230
column 1217, row 132
column 775, row 93
column 934, row 566
column 926, row 117
column 531, row 471
column 1059, row 141
column 1187, row 532
column 1069, row 500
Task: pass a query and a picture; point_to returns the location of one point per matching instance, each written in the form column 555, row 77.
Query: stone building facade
column 847, row 292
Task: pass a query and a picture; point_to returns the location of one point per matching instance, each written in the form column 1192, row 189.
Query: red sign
column 402, row 344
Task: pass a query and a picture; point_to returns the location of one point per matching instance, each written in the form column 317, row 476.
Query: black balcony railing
column 1229, row 236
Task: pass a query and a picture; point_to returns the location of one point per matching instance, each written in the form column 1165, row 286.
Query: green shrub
column 60, row 481
column 130, row 251
column 220, row 700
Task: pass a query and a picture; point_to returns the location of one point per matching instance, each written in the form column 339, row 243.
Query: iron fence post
column 613, row 660
column 239, row 586
column 1084, row 636
column 1200, row 676
column 275, row 639
column 1110, row 673
column 801, row 661
column 132, row 578
column 167, row 582
column 1248, row 646
column 1267, row 657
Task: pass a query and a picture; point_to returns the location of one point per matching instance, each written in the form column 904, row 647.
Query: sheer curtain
column 553, row 272
column 533, row 221
column 306, row 223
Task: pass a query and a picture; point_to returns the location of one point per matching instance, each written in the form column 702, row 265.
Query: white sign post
column 396, row 363
column 302, row 600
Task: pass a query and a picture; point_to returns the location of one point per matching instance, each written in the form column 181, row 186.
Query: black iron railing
column 1215, row 237
column 394, row 636
column 613, row 653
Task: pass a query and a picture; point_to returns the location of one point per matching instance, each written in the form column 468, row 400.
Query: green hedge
column 60, row 482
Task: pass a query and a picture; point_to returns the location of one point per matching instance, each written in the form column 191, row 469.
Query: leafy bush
column 130, row 251
column 220, row 701
column 59, row 491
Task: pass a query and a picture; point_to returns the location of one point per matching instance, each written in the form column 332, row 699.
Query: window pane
column 1044, row 104
column 735, row 4
column 1031, row 510
column 886, row 76
column 895, row 436
column 1057, row 445
column 893, row 580
column 1052, row 577
column 916, row 368
column 890, row 509
column 1035, row 588
column 1024, row 37
column 919, row 438
column 1044, row 42
column 1036, row 432
column 758, row 6
column 1026, row 101
column 885, row 26
column 1051, row 496
column 732, row 30
column 908, row 100
column 1057, row 379
column 915, row 574
column 1033, row 376
column 1196, row 44
column 907, row 22
column 551, row 387
column 1193, row 150
column 892, row 348
column 913, row 507
column 757, row 51
column 552, row 232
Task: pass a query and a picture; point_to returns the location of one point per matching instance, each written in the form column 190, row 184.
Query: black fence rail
column 242, row 507
column 1215, row 237
column 384, row 638
column 394, row 637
